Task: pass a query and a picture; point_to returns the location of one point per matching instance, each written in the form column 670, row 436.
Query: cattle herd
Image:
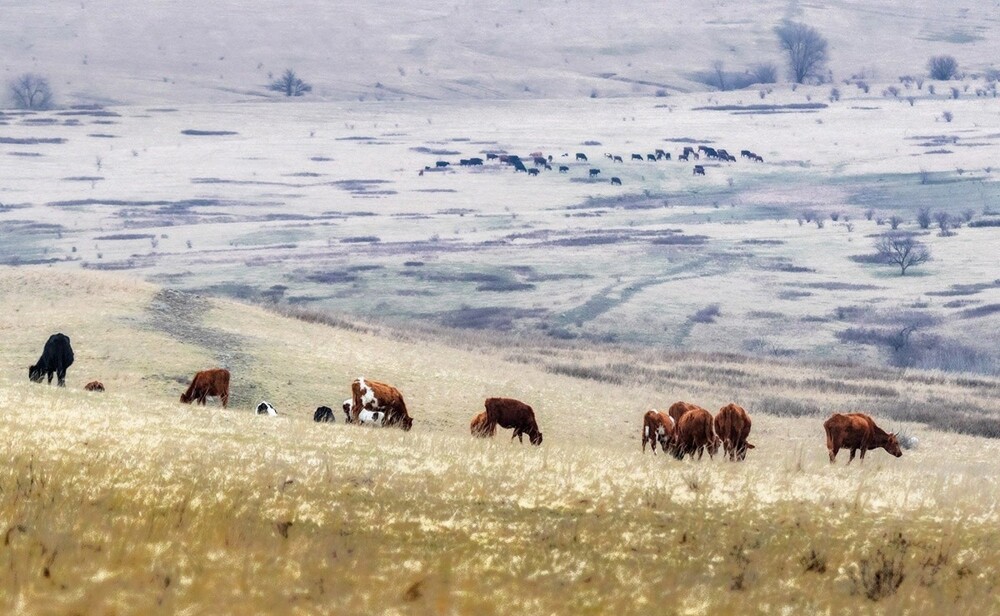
column 539, row 161
column 683, row 430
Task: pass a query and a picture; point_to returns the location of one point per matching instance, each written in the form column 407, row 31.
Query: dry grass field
column 129, row 502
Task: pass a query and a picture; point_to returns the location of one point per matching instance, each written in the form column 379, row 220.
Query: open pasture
column 128, row 500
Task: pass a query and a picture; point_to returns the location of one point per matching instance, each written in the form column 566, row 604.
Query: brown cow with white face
column 856, row 431
column 695, row 433
column 657, row 427
column 214, row 382
column 510, row 413
column 374, row 397
column 732, row 425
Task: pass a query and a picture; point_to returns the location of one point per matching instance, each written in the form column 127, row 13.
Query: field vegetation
column 130, row 501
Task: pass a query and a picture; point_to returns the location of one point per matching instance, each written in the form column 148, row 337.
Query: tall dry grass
column 129, row 502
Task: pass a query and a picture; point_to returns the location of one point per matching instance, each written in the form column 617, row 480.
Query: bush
column 947, row 115
column 30, row 91
column 706, row 314
column 924, row 217
column 765, row 73
column 943, row 68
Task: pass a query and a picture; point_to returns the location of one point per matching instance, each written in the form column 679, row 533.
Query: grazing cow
column 57, row 357
column 266, row 408
column 540, row 160
column 594, row 172
column 214, row 382
column 615, row 181
column 374, row 396
column 581, row 156
column 324, row 414
column 475, row 162
column 532, row 171
column 505, row 158
column 536, row 154
column 563, row 169
column 657, row 427
column 490, row 156
column 724, row 155
column 732, row 425
column 666, row 156
column 510, row 413
column 746, row 154
column 684, row 156
column 636, row 156
column 710, row 153
column 660, row 154
column 856, row 431
column 689, row 150
column 678, row 409
column 695, row 433
column 480, row 425
column 518, row 165
column 703, row 148
column 757, row 158
column 94, row 386
column 441, row 163
column 698, row 170
column 651, row 157
column 617, row 159
column 548, row 167
column 464, row 162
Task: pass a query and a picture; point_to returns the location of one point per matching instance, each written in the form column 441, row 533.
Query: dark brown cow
column 94, row 386
column 695, row 434
column 732, row 425
column 678, row 409
column 214, row 382
column 509, row 413
column 374, row 396
column 856, row 431
column 480, row 425
column 657, row 427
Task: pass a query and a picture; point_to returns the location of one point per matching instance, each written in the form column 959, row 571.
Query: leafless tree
column 806, row 49
column 943, row 219
column 943, row 67
column 895, row 221
column 30, row 91
column 902, row 250
column 289, row 84
column 924, row 217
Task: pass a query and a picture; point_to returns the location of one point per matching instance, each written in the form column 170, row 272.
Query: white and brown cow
column 378, row 398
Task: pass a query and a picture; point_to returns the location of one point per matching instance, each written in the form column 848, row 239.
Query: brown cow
column 94, row 386
column 732, row 425
column 695, row 433
column 856, row 431
column 677, row 410
column 374, row 396
column 510, row 413
column 479, row 426
column 214, row 382
column 657, row 427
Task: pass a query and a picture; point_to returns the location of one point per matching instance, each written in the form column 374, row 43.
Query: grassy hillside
column 185, row 52
column 129, row 501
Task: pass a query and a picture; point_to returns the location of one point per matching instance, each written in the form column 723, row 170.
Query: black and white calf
column 324, row 414
column 265, row 408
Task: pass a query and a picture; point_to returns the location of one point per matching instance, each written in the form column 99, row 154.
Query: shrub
column 947, row 115
column 30, row 91
column 942, row 68
column 924, row 217
column 765, row 73
column 901, row 250
column 706, row 314
column 289, row 84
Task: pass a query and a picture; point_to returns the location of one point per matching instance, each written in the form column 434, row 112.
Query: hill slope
column 177, row 52
column 130, row 501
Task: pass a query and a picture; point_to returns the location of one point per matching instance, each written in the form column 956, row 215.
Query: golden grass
column 129, row 502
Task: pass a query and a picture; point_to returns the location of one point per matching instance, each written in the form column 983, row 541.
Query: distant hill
column 117, row 51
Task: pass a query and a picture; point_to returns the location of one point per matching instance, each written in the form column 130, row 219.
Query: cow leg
column 62, row 377
column 50, row 378
column 833, row 453
column 853, row 451
column 225, row 399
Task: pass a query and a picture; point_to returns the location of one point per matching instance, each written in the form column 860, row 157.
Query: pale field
column 557, row 255
column 129, row 502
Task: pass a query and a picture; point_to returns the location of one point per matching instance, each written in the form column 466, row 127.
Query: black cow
column 746, row 154
column 518, row 165
column 57, row 356
column 464, row 162
column 490, row 156
column 533, row 171
column 651, row 157
column 710, row 153
column 563, row 169
column 594, row 172
column 540, row 160
column 475, row 161
column 689, row 150
column 617, row 181
column 699, row 170
column 581, row 156
column 758, row 158
column 617, row 159
column 441, row 163
column 324, row 414
column 684, row 156
column 637, row 157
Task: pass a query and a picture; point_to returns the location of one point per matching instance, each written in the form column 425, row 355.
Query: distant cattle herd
column 539, row 161
column 685, row 429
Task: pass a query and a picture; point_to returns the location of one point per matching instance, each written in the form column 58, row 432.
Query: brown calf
column 695, row 433
column 856, row 431
column 214, row 382
column 94, row 386
column 732, row 425
column 480, row 425
column 657, row 427
column 509, row 413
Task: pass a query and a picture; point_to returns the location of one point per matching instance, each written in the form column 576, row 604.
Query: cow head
column 407, row 423
column 35, row 374
column 741, row 454
column 535, row 438
column 186, row 399
column 713, row 445
column 892, row 445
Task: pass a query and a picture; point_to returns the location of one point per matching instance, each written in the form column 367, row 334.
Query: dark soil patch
column 208, row 133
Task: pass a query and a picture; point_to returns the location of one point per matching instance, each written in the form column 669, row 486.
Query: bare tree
column 902, row 250
column 289, row 84
column 720, row 74
column 924, row 217
column 943, row 219
column 30, row 91
column 806, row 49
column 943, row 67
column 895, row 221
